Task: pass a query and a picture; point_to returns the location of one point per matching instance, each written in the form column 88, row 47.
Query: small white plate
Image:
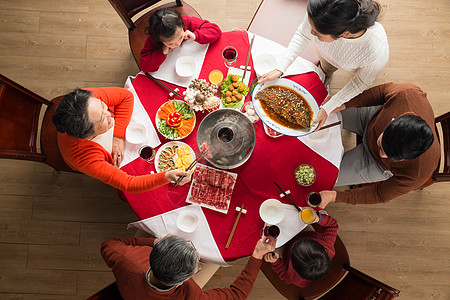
column 135, row 133
column 187, row 221
column 271, row 211
column 185, row 66
column 264, row 63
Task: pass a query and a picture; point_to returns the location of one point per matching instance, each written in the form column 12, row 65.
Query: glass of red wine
column 147, row 153
column 272, row 231
column 229, row 55
column 314, row 199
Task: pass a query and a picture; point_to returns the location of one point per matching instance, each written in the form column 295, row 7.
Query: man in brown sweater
column 146, row 268
column 400, row 148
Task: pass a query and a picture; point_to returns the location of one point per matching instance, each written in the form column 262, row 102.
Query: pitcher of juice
column 308, row 215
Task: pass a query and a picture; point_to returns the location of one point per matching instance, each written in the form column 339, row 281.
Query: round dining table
column 272, row 160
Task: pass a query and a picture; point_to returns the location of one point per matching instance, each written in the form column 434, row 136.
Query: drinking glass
column 314, row 199
column 147, row 153
column 229, row 55
column 272, row 230
column 308, row 215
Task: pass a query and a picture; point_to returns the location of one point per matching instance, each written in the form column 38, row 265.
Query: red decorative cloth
column 273, row 159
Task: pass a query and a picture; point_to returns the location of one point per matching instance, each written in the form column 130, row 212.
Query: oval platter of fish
column 285, row 106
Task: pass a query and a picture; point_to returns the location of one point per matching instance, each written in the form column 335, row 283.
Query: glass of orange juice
column 308, row 215
column 215, row 77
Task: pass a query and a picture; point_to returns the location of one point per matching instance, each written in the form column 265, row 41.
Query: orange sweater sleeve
column 93, row 160
column 120, row 103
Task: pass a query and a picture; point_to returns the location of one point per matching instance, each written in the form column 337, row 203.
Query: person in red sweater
column 306, row 257
column 91, row 126
column 400, row 148
column 167, row 29
column 146, row 268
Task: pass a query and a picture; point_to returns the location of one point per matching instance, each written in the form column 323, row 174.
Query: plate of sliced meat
column 211, row 188
column 285, row 106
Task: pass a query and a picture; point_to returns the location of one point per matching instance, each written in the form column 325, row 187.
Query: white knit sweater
column 366, row 56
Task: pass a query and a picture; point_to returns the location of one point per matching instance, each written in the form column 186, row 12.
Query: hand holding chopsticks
column 190, row 167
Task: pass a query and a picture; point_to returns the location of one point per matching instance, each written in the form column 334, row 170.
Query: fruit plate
column 159, row 157
column 275, row 125
column 188, row 124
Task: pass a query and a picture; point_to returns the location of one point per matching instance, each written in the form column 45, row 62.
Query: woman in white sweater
column 347, row 37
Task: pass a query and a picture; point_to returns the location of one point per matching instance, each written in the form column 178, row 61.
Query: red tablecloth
column 272, row 160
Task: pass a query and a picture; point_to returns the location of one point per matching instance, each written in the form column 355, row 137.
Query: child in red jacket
column 167, row 29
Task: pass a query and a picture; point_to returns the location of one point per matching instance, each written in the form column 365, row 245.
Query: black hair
column 71, row 114
column 334, row 17
column 406, row 137
column 173, row 260
column 164, row 23
column 310, row 259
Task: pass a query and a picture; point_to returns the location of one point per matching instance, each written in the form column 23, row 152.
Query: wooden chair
column 278, row 20
column 316, row 288
column 111, row 292
column 20, row 111
column 341, row 283
column 136, row 29
column 358, row 286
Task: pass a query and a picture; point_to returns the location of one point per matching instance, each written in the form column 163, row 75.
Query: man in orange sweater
column 146, row 268
column 84, row 119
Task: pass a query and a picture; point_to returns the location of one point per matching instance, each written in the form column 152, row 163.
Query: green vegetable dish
column 233, row 91
column 305, row 175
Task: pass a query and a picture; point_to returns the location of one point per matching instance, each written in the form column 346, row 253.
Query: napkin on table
column 202, row 237
column 139, row 116
column 167, row 71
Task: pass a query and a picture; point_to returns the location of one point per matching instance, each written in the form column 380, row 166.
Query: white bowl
column 271, row 211
column 135, row 133
column 264, row 63
column 187, row 221
column 185, row 66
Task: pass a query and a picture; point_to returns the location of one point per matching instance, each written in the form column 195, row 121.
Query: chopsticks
column 284, row 193
column 248, row 57
column 164, row 86
column 189, row 168
column 234, row 227
column 330, row 125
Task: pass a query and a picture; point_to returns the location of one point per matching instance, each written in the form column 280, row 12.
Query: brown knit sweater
column 396, row 100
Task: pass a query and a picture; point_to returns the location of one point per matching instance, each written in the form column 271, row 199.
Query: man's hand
column 327, row 197
column 173, row 175
column 118, row 149
column 263, row 246
column 272, row 75
column 189, row 35
column 321, row 119
column 271, row 257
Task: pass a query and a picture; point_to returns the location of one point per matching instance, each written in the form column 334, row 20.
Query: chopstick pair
column 189, row 168
column 248, row 57
column 234, row 227
column 329, row 125
column 164, row 86
column 287, row 196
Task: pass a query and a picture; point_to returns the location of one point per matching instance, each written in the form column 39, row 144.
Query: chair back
column 318, row 287
column 20, row 111
column 129, row 8
column 444, row 123
column 136, row 29
column 111, row 292
column 359, row 286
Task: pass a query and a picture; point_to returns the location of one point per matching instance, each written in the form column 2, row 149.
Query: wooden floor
column 52, row 224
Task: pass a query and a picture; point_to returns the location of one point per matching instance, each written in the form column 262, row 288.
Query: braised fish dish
column 286, row 107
